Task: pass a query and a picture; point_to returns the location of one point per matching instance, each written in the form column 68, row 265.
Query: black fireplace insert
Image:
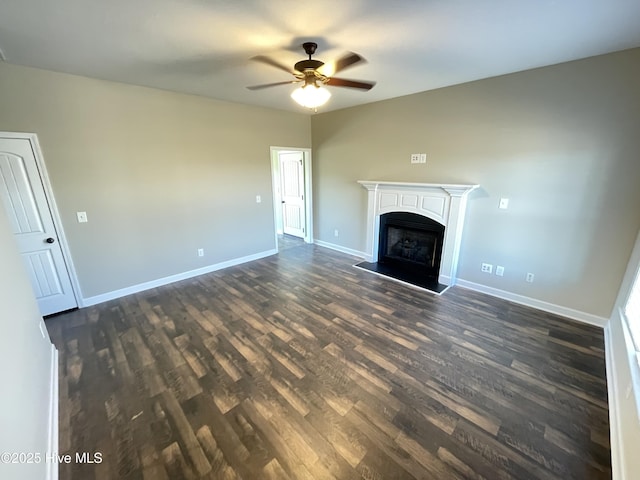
column 411, row 242
column 409, row 249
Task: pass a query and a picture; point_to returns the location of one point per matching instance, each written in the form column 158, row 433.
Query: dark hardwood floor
column 286, row 242
column 299, row 366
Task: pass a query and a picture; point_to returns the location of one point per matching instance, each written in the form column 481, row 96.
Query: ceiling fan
column 308, row 72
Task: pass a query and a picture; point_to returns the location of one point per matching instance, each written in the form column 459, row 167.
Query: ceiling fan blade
column 267, row 85
column 346, row 61
column 341, row 82
column 272, row 62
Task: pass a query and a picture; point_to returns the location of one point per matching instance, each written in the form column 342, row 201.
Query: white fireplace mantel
column 444, row 203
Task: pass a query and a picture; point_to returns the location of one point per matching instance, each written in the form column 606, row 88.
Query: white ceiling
column 204, row 46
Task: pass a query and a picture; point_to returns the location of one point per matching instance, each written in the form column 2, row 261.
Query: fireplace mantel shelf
column 450, row 188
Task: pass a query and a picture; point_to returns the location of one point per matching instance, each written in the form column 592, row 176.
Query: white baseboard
column 534, row 303
column 495, row 292
column 340, row 248
column 87, row 302
column 52, row 441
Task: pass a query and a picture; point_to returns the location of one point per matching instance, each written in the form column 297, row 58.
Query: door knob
column 49, row 240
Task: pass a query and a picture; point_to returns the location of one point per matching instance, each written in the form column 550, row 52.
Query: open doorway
column 291, row 177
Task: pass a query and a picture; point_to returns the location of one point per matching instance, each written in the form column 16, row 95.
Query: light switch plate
column 82, row 217
column 504, row 203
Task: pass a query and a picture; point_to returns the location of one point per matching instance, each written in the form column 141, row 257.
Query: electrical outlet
column 487, row 268
column 336, row 233
column 499, row 270
column 530, row 277
column 418, row 158
column 201, row 252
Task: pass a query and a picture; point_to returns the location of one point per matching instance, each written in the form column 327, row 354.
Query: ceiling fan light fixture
column 311, row 95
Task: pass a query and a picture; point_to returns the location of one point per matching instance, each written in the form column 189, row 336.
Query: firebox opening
column 410, row 249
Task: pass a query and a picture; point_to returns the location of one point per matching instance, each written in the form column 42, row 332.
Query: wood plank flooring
column 299, row 366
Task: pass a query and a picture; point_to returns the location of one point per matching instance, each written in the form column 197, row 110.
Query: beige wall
column 25, row 364
column 560, row 142
column 159, row 174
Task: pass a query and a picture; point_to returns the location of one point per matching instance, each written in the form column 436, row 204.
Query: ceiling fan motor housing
column 309, row 64
column 303, row 65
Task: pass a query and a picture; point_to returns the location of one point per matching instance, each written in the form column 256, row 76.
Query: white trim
column 615, row 430
column 275, row 185
column 53, row 208
column 340, row 248
column 623, row 380
column 308, row 172
column 534, row 303
column 630, row 315
column 453, row 189
column 442, row 203
column 494, row 292
column 632, row 355
column 104, row 297
column 52, row 441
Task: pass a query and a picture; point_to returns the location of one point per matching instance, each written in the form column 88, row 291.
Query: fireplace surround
column 435, row 207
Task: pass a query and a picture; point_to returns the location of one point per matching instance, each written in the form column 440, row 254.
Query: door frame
column 53, row 208
column 277, row 202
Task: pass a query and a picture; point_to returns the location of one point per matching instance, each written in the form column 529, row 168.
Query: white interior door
column 292, row 192
column 24, row 199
